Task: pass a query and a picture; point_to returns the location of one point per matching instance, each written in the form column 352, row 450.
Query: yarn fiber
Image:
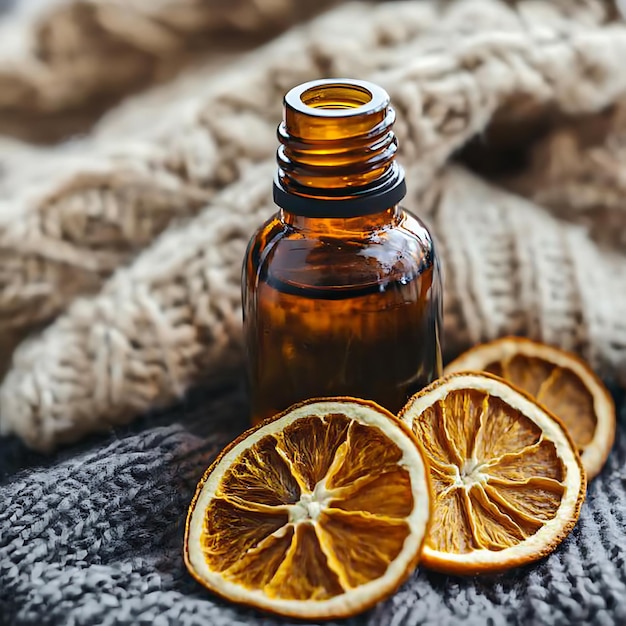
column 169, row 316
column 65, row 61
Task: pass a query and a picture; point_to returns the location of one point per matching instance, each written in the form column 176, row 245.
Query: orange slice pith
column 559, row 380
column 508, row 483
column 318, row 513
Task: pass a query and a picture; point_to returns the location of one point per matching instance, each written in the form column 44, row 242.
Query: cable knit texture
column 64, row 61
column 166, row 313
column 120, row 257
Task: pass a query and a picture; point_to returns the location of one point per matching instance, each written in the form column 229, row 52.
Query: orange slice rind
column 317, row 514
column 559, row 380
column 508, row 482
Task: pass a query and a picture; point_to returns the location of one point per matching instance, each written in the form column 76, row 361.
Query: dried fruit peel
column 486, row 441
column 559, row 380
column 294, row 517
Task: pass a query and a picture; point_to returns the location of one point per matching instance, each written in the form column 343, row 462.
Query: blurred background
column 63, row 64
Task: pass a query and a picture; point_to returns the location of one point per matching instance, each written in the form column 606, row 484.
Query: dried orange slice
column 317, row 514
column 559, row 380
column 507, row 479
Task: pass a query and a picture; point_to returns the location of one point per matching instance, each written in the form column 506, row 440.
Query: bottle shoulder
column 414, row 227
column 398, row 251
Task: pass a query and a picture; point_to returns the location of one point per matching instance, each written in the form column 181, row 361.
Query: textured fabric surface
column 165, row 314
column 120, row 255
column 62, row 62
column 95, row 539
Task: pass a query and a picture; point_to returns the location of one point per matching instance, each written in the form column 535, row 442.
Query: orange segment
column 508, row 483
column 257, row 566
column 450, row 528
column 360, row 547
column 316, row 514
column 492, row 529
column 364, row 495
column 365, row 448
column 537, row 460
column 503, row 430
column 305, row 573
column 560, row 381
column 310, row 446
column 231, row 530
column 527, row 503
column 262, row 475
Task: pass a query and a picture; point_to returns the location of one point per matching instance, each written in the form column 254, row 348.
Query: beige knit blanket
column 121, row 248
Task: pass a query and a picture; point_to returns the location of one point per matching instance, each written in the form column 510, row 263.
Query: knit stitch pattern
column 171, row 317
column 96, row 539
column 60, row 59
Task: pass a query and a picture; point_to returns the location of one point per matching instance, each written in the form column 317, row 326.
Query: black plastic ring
column 369, row 202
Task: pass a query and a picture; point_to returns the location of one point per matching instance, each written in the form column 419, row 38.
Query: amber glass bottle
column 341, row 287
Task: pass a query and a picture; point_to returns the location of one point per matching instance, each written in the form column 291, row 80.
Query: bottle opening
column 338, row 149
column 336, row 96
column 313, row 105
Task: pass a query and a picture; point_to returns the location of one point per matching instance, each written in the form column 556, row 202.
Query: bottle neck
column 337, row 156
column 361, row 226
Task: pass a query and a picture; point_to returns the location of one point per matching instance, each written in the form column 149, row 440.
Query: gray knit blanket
column 94, row 536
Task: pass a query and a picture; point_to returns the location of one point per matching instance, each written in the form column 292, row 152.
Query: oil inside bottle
column 333, row 327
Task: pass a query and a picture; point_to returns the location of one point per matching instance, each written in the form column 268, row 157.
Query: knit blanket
column 121, row 248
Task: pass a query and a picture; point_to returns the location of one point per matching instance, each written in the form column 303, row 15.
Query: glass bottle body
column 341, row 306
